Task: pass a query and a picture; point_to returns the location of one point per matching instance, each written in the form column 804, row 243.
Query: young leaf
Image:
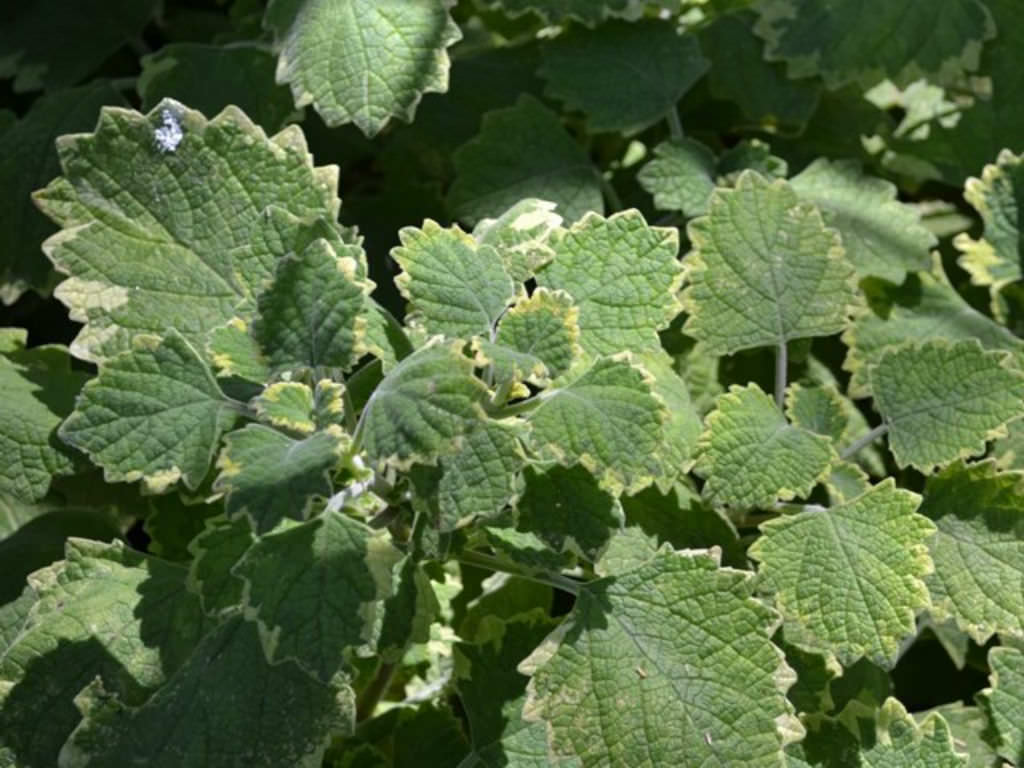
column 362, row 61
column 154, row 414
column 751, row 456
column 623, row 275
column 646, row 67
column 942, row 401
column 520, row 152
column 691, row 648
column 978, row 548
column 849, row 579
column 1005, row 700
column 765, row 270
column 540, row 330
column 681, row 177
column 882, row 236
column 235, row 353
column 454, row 287
column 287, row 405
column 522, row 235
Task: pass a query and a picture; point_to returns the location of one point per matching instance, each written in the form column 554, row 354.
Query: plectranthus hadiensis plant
column 560, row 492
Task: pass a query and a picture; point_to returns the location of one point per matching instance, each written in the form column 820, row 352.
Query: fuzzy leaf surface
column 522, row 235
column 1005, row 700
column 537, row 339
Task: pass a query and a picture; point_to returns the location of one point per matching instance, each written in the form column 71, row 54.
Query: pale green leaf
column 225, row 705
column 234, row 352
column 844, row 43
column 978, row 548
column 751, row 154
column 969, row 726
column 316, row 588
column 765, row 270
column 942, row 400
column 817, row 409
column 628, row 549
column 683, row 426
column 268, row 476
column 680, row 176
column 607, row 420
column 522, row 236
column 154, row 414
column 751, row 456
column 454, row 286
column 362, row 61
column 846, row 481
column 523, row 151
column 287, row 405
column 685, row 640
column 623, row 275
column 1005, row 701
column 882, row 236
column 422, row 407
column 165, row 232
column 624, row 76
column 849, row 579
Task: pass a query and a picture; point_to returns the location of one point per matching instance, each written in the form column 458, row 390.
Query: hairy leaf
column 1005, row 701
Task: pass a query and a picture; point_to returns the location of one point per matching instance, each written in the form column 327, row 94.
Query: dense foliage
column 653, row 399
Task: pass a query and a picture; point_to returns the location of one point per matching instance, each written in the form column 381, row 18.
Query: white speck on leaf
column 170, row 134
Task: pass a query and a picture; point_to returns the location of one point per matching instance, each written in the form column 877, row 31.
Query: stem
column 865, row 440
column 781, row 364
column 491, row 563
column 614, row 202
column 370, row 696
column 675, row 128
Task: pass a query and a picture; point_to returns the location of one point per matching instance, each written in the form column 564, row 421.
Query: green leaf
column 522, row 235
column 215, row 552
column 995, row 260
column 978, row 548
column 623, row 275
column 882, row 236
column 681, row 177
column 316, row 588
column 629, row 548
column 422, row 407
column 684, row 638
column 968, row 725
column 644, row 68
column 311, row 315
column 943, row 400
column 683, row 426
column 287, row 405
column 215, row 709
column 849, row 579
column 523, row 151
column 751, row 456
column 454, row 287
column 841, row 43
column 362, row 61
column 765, row 270
column 27, row 162
column 268, row 476
column 39, row 391
column 210, row 77
column 607, row 420
column 235, row 353
column 533, row 550
column 154, row 414
column 174, row 234
column 587, row 11
column 1005, row 701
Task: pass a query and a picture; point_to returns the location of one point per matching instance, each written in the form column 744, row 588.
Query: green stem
column 862, row 442
column 491, row 563
column 614, row 201
column 781, row 365
column 675, row 128
column 370, row 696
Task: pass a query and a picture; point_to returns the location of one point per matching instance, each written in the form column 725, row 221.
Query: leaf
column 39, row 390
column 942, row 400
column 968, row 726
column 882, row 236
column 215, row 552
column 522, row 151
column 841, row 43
column 522, row 235
column 683, row 427
column 210, row 77
column 154, row 414
column 311, row 315
column 765, row 270
column 215, row 709
column 691, row 648
column 1005, row 701
column 235, row 353
column 316, row 587
column 422, row 407
column 268, row 476
column 750, row 456
column 978, row 548
column 159, row 235
column 681, row 177
column 645, row 68
column 849, row 579
column 587, row 11
column 287, row 405
column 454, row 287
column 995, row 260
column 362, row 61
column 623, row 275
column 607, row 420
column 927, row 307
column 27, row 162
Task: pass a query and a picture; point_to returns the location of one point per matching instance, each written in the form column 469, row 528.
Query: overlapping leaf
column 683, row 426
column 287, row 405
column 1005, row 701
column 690, row 647
column 362, row 61
column 522, row 236
column 943, row 400
column 587, row 11
column 849, row 579
column 215, row 552
column 765, row 271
